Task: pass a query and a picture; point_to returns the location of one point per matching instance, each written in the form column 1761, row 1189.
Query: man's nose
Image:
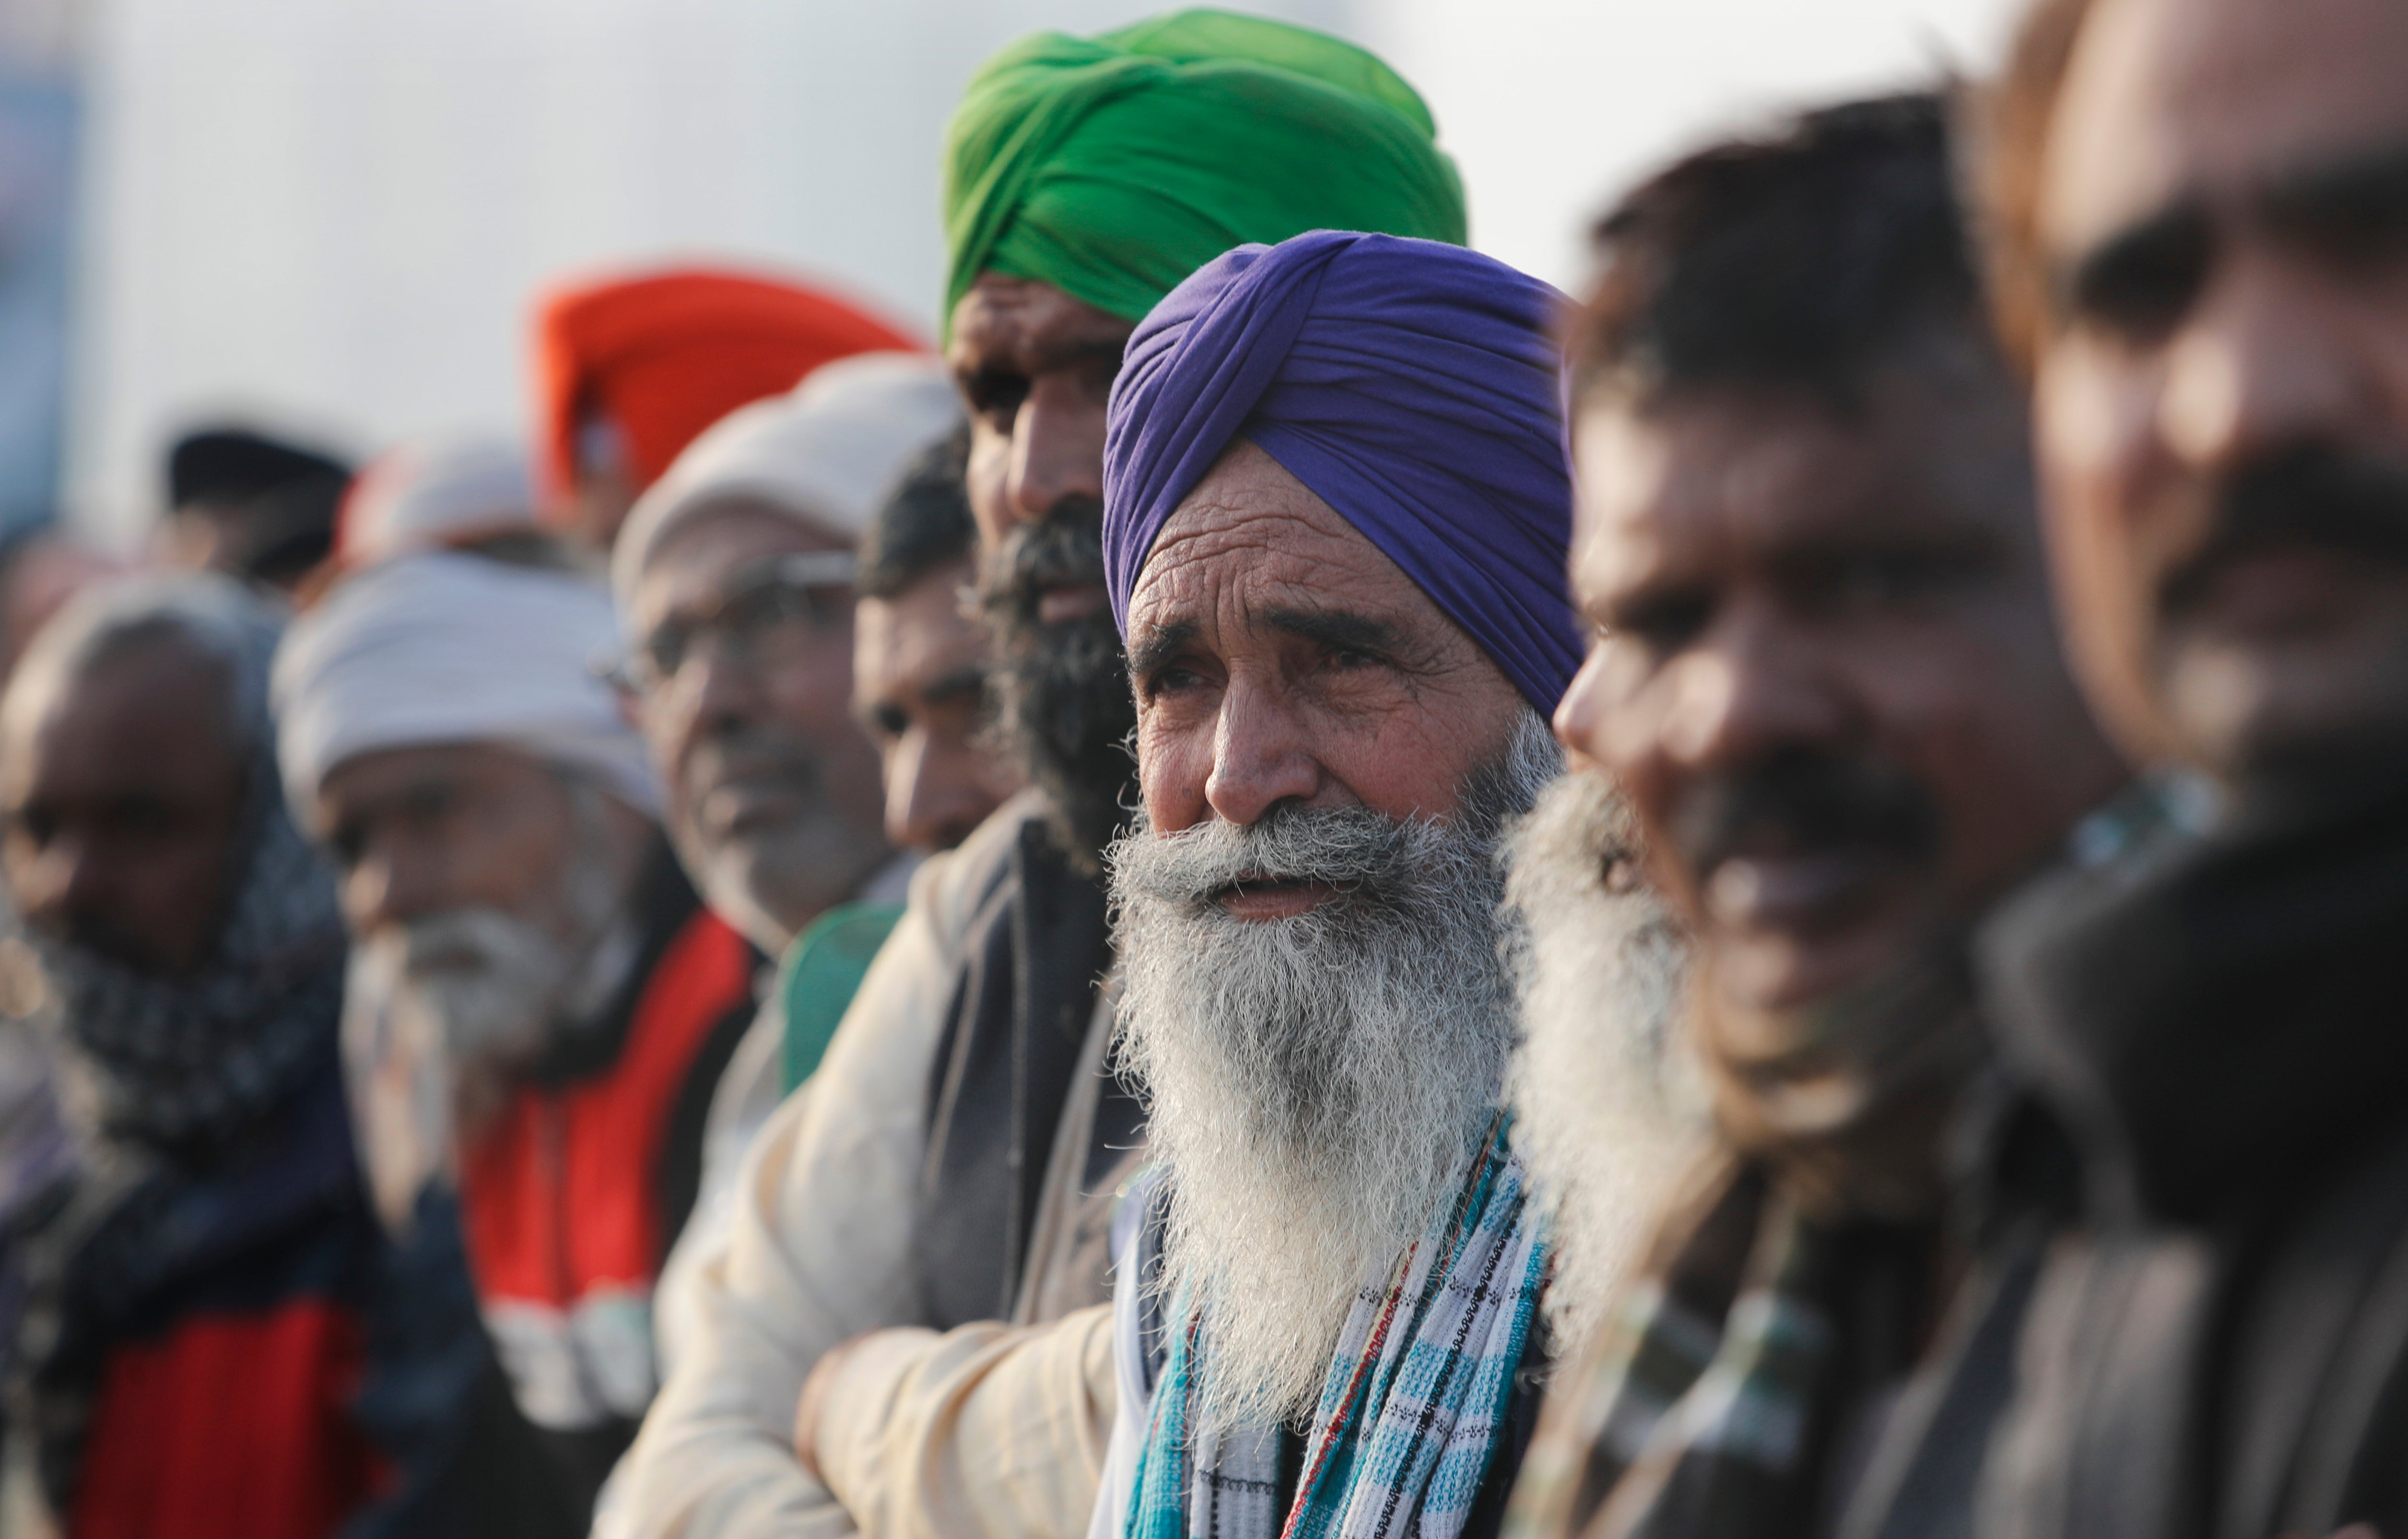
column 1580, row 715
column 931, row 791
column 59, row 884
column 1262, row 755
column 1754, row 687
column 720, row 688
column 2260, row 367
column 392, row 884
column 1058, row 449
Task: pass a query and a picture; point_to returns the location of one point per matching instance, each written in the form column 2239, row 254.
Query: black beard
column 1062, row 698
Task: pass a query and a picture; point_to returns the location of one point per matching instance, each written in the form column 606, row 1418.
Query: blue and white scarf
column 1411, row 1412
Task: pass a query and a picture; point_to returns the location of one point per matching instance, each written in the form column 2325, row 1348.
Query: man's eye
column 1171, row 681
column 1349, row 658
column 996, row 395
column 2142, row 286
column 1663, row 622
column 889, row 722
column 143, row 817
column 664, row 652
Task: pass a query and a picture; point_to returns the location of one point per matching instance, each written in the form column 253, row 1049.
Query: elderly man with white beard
column 1335, row 506
column 541, row 1006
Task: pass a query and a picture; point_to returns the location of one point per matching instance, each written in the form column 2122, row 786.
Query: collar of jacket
column 2211, row 1016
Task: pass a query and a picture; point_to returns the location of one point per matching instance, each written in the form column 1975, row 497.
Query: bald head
column 128, row 742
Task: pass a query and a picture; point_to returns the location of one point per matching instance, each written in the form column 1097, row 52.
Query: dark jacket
column 2190, row 1317
column 1038, row 947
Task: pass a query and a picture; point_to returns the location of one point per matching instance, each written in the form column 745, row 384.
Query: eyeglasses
column 767, row 616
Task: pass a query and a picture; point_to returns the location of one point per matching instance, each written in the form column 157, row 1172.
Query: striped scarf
column 1412, row 1407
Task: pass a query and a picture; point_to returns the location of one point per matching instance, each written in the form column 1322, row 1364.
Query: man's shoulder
column 950, row 888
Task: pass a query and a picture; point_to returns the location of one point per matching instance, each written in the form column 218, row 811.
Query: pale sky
column 331, row 213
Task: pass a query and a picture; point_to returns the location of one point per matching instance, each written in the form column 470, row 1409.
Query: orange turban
column 665, row 356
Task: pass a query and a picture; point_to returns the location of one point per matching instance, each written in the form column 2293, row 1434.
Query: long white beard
column 1315, row 1084
column 1608, row 1103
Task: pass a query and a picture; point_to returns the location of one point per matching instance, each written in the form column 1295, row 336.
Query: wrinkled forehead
column 1250, row 545
column 2220, row 102
column 1028, row 326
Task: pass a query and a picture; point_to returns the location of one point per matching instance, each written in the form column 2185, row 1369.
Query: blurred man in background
column 242, row 503
column 1826, row 677
column 967, row 1173
column 202, row 1308
column 2202, row 251
column 542, row 1006
column 919, row 677
column 735, row 585
column 920, row 658
column 628, row 370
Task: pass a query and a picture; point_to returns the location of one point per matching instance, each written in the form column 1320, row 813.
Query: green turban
column 1111, row 167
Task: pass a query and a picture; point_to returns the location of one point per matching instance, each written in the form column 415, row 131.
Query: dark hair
column 279, row 499
column 1797, row 259
column 238, row 465
column 923, row 524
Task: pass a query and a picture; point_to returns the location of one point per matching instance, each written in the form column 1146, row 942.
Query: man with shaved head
column 2201, row 213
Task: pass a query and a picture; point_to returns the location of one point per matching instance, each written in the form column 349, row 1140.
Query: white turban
column 432, row 495
column 828, row 453
column 444, row 648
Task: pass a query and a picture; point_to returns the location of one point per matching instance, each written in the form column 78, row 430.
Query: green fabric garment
column 819, row 975
column 1111, row 167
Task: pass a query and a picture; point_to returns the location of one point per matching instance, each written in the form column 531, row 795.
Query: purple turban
column 1411, row 385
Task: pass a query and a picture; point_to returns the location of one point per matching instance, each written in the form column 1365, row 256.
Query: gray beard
column 488, row 992
column 1608, row 1103
column 1314, row 1083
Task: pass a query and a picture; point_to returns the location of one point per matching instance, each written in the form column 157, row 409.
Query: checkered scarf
column 1700, row 1408
column 186, row 1064
column 1411, row 1412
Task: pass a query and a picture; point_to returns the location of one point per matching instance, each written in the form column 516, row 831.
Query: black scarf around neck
column 2216, row 1016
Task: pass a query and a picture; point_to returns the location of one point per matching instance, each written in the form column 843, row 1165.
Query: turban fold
column 450, row 648
column 1409, row 386
column 664, row 357
column 826, row 454
column 1111, row 167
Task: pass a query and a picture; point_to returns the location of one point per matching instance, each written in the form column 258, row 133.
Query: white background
column 330, row 214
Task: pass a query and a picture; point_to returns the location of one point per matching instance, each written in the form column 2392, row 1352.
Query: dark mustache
column 2348, row 504
column 1065, row 548
column 1809, row 800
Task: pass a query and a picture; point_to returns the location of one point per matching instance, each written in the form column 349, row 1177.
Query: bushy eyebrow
column 1337, row 630
column 2312, row 202
column 1152, row 651
column 970, row 679
column 2375, row 181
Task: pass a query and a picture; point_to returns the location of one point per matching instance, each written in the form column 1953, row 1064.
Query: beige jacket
column 987, row 1431
column 992, row 1431
column 817, row 1248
